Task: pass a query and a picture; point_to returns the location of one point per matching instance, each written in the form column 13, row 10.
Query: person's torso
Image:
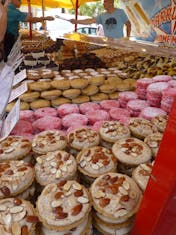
column 113, row 23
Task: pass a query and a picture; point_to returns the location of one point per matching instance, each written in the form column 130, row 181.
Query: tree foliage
column 92, row 9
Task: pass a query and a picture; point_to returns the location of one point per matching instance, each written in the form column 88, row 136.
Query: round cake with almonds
column 15, row 177
column 14, row 147
column 131, row 151
column 48, row 141
column 116, row 197
column 141, row 127
column 111, row 131
column 95, row 161
column 17, row 216
column 160, row 122
column 63, row 206
column 54, row 167
column 141, row 175
column 153, row 141
column 83, row 138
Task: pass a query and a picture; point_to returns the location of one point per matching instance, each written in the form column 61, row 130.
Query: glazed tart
column 153, row 141
column 111, row 131
column 48, row 141
column 15, row 178
column 116, row 197
column 17, row 216
column 83, row 138
column 132, row 151
column 54, row 167
column 141, row 175
column 160, row 122
column 141, row 127
column 95, row 161
column 63, row 206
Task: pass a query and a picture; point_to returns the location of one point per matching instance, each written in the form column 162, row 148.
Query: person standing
column 113, row 21
column 14, row 17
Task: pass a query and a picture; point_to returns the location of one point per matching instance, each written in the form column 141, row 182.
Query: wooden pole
column 76, row 13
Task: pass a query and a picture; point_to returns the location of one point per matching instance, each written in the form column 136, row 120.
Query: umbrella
column 70, row 4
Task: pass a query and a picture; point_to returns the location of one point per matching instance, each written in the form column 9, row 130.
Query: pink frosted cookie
column 88, row 106
column 162, row 78
column 97, row 115
column 42, row 112
column 136, row 106
column 151, row 112
column 22, row 127
column 126, row 96
column 118, row 113
column 47, row 123
column 27, row 115
column 66, row 109
column 109, row 104
column 75, row 118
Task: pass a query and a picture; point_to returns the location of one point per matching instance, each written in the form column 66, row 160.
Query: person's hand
column 50, row 18
column 73, row 21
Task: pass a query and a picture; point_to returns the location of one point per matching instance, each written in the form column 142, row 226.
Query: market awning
column 70, row 4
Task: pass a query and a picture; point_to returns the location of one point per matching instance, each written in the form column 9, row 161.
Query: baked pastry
column 81, row 99
column 30, row 96
column 107, row 88
column 47, row 123
column 160, row 122
column 79, row 83
column 74, row 119
column 50, row 95
column 46, row 73
column 42, row 112
column 99, row 97
column 131, row 151
column 14, row 148
column 141, row 127
column 95, row 161
column 90, row 90
column 71, row 93
column 48, row 141
column 21, row 215
column 111, row 131
column 88, row 106
column 114, row 95
column 62, row 84
column 40, row 103
column 33, row 75
column 97, row 80
column 82, row 138
column 39, row 86
column 115, row 197
column 23, row 106
column 153, row 141
column 15, row 178
column 54, row 167
column 60, row 101
column 141, row 175
column 68, row 205
column 66, row 109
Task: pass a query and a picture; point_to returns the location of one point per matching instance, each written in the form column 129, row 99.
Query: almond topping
column 16, row 209
column 3, row 208
column 145, row 167
column 67, row 186
column 24, row 230
column 7, row 219
column 82, row 164
column 16, row 228
column 123, row 191
column 39, row 160
column 95, row 166
column 69, row 162
column 9, row 150
column 54, row 164
column 19, row 216
column 61, row 215
column 56, row 203
column 99, row 194
column 58, row 174
column 76, row 210
column 104, row 202
column 64, row 168
column 126, row 185
column 50, row 157
column 32, row 219
column 77, row 186
column 83, row 200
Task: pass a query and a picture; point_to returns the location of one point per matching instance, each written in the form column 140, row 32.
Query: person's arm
column 3, row 20
column 38, row 19
column 85, row 21
column 128, row 28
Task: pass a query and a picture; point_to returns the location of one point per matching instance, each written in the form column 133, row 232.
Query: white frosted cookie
column 83, row 138
column 153, row 141
column 96, row 161
column 111, row 131
column 115, row 196
column 132, row 151
column 15, row 177
column 81, row 229
column 160, row 122
column 54, row 167
column 14, row 147
column 141, row 127
column 141, row 174
column 63, row 206
column 48, row 141
column 17, row 216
